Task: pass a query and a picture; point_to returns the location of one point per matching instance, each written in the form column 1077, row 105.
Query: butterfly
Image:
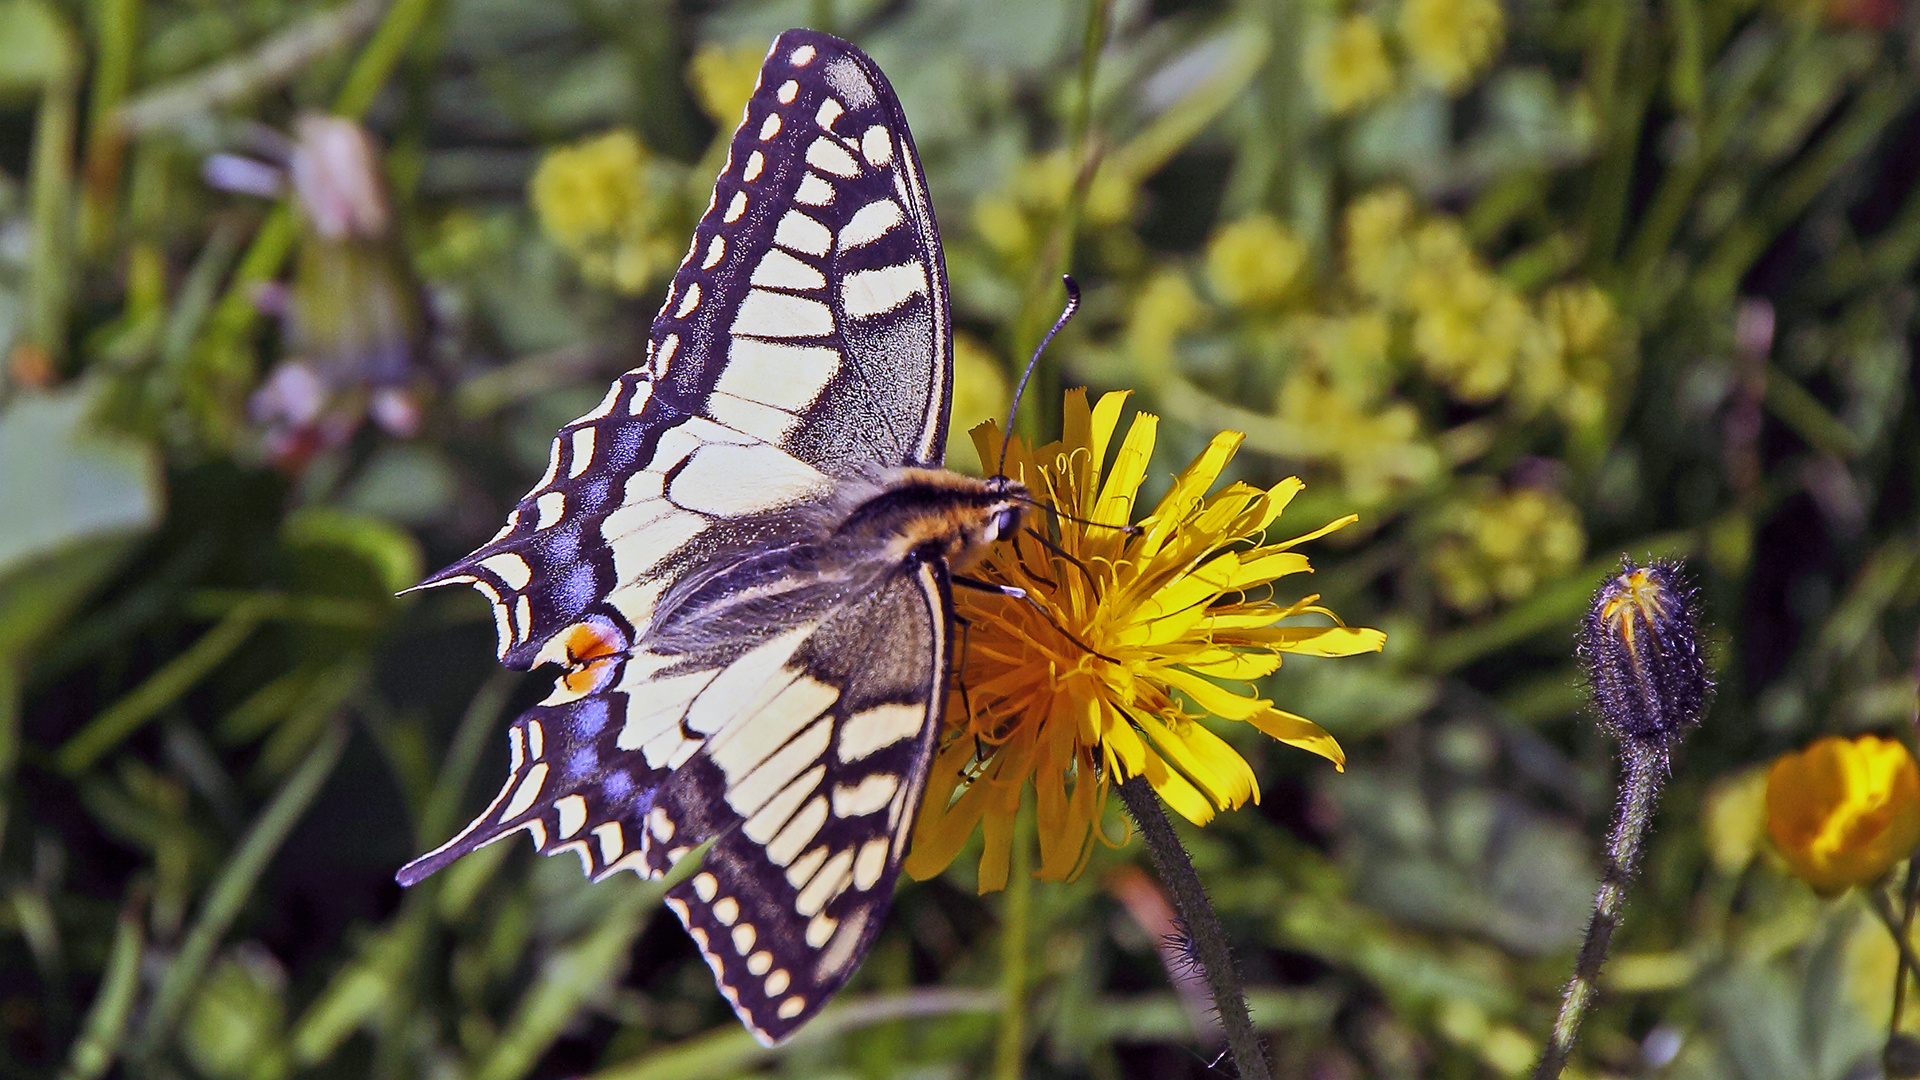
column 741, row 559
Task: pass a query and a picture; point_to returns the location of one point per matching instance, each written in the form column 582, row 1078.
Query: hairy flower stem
column 1646, row 767
column 1202, row 926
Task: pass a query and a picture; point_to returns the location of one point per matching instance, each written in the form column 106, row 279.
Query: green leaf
column 390, row 552
column 36, row 47
column 64, row 481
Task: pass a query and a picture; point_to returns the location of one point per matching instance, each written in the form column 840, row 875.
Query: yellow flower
column 1043, row 184
column 1377, row 452
column 1451, row 40
column 601, row 201
column 1165, row 308
column 1502, row 546
column 1469, row 327
column 1106, row 670
column 1001, row 222
column 1017, row 217
column 1350, row 351
column 1348, row 68
column 1254, row 261
column 1844, row 811
column 722, row 78
column 1379, row 257
column 1570, row 369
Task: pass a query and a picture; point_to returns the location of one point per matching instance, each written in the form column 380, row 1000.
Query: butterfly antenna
column 1073, row 305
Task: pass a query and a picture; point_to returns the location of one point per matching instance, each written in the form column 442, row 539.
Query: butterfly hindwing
column 813, row 807
column 569, row 788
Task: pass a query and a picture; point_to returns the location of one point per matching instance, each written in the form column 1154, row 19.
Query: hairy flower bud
column 1640, row 644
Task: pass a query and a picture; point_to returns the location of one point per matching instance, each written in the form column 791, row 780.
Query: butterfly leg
column 1021, row 594
column 1010, row 591
column 960, row 665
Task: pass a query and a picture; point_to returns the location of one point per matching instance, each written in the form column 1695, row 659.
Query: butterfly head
column 1006, row 510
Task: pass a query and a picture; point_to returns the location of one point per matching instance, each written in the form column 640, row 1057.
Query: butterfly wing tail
column 569, row 790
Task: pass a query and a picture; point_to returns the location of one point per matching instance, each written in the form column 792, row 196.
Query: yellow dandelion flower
column 1125, row 641
column 1844, row 811
column 1348, row 67
column 1253, row 262
column 1451, row 41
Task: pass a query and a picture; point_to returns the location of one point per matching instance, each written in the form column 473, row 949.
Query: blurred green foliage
column 1530, row 285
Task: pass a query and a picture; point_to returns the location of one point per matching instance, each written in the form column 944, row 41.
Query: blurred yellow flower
column 723, row 77
column 1348, row 66
column 1045, row 182
column 1104, row 672
column 1504, row 545
column 1733, row 819
column 1844, row 811
column 1253, row 262
column 1570, row 371
column 1450, row 41
column 1469, row 326
column 1014, row 219
column 601, row 201
column 1351, row 351
column 1002, row 224
column 1165, row 308
column 1377, row 452
column 1379, row 257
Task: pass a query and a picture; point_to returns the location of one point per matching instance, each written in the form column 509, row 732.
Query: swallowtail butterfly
column 740, row 559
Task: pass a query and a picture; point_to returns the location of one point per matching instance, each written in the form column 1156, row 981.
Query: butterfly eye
column 1004, row 523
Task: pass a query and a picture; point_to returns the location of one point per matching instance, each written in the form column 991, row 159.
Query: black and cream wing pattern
column 729, row 673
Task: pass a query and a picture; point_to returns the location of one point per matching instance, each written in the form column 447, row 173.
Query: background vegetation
column 1528, row 286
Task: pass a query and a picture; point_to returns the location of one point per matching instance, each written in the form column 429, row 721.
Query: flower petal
column 942, row 829
column 1301, row 732
column 1204, row 759
column 1180, row 796
column 1188, row 488
column 1319, row 640
column 1329, row 527
column 1122, row 485
column 1227, row 664
column 1103, row 423
column 1211, row 696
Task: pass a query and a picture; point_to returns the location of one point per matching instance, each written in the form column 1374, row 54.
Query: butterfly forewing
column 732, row 671
column 804, row 339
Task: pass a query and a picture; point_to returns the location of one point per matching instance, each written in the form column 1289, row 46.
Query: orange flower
column 1844, row 811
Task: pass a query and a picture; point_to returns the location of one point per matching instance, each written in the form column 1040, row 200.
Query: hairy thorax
column 918, row 515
